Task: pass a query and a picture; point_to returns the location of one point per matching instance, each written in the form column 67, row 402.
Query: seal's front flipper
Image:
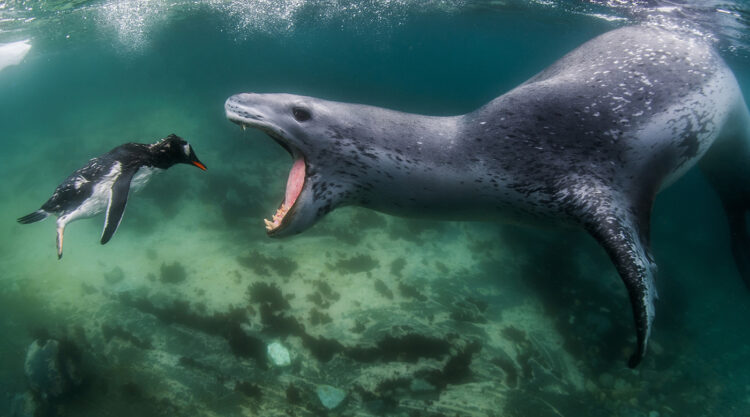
column 117, row 201
column 622, row 236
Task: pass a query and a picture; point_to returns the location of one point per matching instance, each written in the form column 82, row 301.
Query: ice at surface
column 13, row 53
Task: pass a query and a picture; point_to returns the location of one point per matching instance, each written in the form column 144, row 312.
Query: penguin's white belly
column 142, row 176
column 99, row 199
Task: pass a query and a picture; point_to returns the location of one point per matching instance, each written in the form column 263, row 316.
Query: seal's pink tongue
column 295, row 182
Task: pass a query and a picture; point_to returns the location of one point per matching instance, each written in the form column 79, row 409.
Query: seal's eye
column 300, row 114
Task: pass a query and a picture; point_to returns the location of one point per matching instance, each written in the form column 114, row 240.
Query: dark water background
column 100, row 74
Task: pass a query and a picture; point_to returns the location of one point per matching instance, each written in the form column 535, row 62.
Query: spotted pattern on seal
column 588, row 142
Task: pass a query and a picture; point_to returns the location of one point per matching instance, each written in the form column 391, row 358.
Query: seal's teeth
column 275, row 221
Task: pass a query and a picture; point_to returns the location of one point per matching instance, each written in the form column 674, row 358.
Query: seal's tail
column 34, row 217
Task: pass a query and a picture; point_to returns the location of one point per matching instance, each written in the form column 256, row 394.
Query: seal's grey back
column 648, row 91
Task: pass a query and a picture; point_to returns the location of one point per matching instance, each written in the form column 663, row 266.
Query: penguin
column 105, row 181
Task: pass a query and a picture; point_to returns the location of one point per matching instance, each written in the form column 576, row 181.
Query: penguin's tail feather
column 34, row 217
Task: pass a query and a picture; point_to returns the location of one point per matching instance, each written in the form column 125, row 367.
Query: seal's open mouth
column 294, row 183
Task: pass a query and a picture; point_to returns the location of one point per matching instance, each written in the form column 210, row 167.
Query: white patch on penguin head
column 186, row 149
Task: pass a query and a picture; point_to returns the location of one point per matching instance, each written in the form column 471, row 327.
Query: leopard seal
column 587, row 142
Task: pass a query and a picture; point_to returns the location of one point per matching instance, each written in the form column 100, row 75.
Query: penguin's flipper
column 117, row 201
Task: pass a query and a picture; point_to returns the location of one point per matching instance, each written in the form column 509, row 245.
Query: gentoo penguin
column 106, row 181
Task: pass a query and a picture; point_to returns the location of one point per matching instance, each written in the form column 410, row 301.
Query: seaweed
column 114, row 276
column 327, row 291
column 470, row 310
column 506, row 364
column 262, row 264
column 321, row 348
column 515, row 335
column 110, row 332
column 248, row 389
column 457, row 370
column 136, row 401
column 188, row 362
column 226, row 325
column 411, row 292
column 172, row 274
column 388, row 385
column 383, row 289
column 318, row 300
column 316, row 317
column 355, row 264
column 397, row 266
column 268, row 294
column 466, row 311
column 359, row 326
column 293, row 394
column 324, row 296
column 277, row 324
column 407, row 348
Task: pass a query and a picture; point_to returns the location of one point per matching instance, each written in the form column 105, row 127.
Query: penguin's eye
column 300, row 114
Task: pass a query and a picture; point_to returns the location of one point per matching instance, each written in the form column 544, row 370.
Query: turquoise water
column 173, row 316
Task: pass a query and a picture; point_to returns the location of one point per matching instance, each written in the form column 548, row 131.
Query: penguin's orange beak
column 199, row 165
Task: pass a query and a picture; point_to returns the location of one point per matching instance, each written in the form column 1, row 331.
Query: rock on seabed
column 330, row 397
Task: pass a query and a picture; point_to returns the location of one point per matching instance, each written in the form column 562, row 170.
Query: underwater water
column 398, row 317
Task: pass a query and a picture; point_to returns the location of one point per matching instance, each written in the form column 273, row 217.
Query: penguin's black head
column 175, row 150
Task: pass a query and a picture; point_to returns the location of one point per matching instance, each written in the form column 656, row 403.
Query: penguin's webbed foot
column 59, row 241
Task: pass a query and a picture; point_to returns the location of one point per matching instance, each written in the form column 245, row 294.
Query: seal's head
column 307, row 129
